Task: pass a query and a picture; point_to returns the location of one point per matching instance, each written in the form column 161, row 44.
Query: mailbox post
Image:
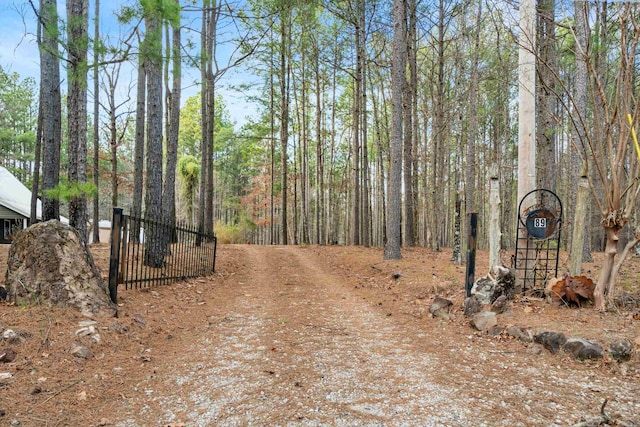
column 538, row 240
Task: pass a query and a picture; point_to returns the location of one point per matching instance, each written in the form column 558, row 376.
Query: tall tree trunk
column 296, row 162
column 526, row 114
column 96, row 126
column 408, row 137
column 380, row 213
column 113, row 138
column 456, row 253
column 365, row 198
column 596, row 239
column 77, row 27
column 413, row 88
column 211, row 101
column 284, row 120
column 526, row 147
column 357, row 116
column 153, row 196
column 169, row 196
column 398, row 76
column 206, row 125
column 319, row 205
column 165, row 74
column 272, row 146
column 139, row 149
column 35, row 188
column 51, row 107
column 470, row 184
column 546, row 169
column 332, row 235
column 304, row 151
column 438, row 139
column 579, row 241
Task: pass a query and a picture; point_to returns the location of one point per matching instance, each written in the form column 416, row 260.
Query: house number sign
column 540, row 223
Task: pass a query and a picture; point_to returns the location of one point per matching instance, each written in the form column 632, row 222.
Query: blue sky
column 19, row 51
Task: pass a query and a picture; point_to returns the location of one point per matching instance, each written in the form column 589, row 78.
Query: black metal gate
column 188, row 253
column 538, row 239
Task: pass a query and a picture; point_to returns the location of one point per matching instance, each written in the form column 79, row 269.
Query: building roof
column 14, row 195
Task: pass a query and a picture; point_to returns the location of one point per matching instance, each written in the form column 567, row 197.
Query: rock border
column 484, row 318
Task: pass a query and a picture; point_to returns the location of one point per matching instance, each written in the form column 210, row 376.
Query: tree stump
column 48, row 264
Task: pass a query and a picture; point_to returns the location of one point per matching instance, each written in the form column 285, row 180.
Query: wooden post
column 577, row 239
column 472, row 233
column 494, row 220
column 114, row 260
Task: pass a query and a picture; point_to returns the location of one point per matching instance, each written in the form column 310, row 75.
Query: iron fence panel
column 146, row 253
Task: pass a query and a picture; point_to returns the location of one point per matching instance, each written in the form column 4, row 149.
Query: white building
column 15, row 206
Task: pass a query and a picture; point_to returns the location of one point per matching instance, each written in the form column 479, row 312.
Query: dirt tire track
column 295, row 347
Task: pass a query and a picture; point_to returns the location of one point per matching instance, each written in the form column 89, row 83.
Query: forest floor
column 309, row 336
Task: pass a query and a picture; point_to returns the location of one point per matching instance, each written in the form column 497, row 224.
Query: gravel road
column 289, row 341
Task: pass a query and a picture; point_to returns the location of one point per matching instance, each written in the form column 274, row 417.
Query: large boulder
column 48, row 264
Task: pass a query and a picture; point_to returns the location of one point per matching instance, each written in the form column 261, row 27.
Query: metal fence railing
column 148, row 253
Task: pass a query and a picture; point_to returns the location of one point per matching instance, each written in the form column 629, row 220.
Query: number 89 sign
column 540, row 223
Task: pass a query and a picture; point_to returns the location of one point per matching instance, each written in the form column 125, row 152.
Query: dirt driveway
column 310, row 336
column 295, row 342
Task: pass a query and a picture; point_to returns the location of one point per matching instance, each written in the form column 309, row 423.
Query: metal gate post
column 114, row 258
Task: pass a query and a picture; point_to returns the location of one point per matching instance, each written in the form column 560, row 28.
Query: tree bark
column 438, row 139
column 284, row 120
column 169, row 196
column 577, row 240
column 408, row 94
column 35, row 188
column 526, row 113
column 139, row 149
column 580, row 251
column 113, row 139
column 77, row 25
column 51, row 107
column 304, row 151
column 96, row 126
column 354, row 228
column 153, row 196
column 413, row 88
column 398, row 76
column 211, row 112
column 319, row 205
column 470, row 184
column 546, row 168
column 272, row 146
column 206, row 77
column 379, row 230
column 606, row 280
column 365, row 196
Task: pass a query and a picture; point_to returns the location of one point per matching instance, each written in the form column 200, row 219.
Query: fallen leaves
column 570, row 290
